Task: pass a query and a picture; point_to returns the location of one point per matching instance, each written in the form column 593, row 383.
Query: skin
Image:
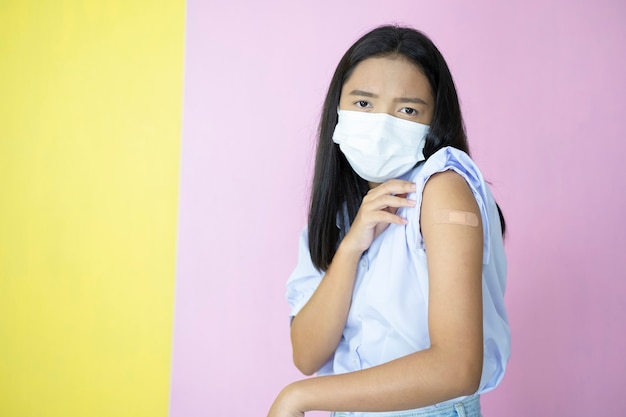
column 452, row 365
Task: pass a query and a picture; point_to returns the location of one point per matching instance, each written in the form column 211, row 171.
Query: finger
column 387, row 200
column 393, row 187
column 381, row 216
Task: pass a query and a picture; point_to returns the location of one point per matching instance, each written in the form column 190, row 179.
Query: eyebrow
column 362, row 93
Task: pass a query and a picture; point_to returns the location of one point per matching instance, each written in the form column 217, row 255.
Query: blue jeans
column 469, row 407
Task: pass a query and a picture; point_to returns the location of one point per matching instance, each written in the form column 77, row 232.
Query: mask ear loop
column 448, row 216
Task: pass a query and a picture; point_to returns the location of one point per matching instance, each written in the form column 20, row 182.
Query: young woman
column 397, row 298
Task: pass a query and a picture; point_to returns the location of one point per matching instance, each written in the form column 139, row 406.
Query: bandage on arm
column 449, row 216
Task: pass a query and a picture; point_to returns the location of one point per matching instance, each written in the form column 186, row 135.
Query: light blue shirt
column 388, row 317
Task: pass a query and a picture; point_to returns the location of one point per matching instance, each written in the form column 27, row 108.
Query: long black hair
column 335, row 184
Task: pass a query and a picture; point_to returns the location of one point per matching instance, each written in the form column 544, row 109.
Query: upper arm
column 454, row 255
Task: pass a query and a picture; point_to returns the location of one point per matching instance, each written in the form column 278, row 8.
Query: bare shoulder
column 448, row 188
column 450, row 219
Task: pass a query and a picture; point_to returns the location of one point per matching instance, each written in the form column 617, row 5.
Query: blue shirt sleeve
column 305, row 278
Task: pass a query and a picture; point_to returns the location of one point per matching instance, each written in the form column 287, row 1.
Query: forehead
column 394, row 73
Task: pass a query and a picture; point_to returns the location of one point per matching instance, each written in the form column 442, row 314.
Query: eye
column 408, row 111
column 362, row 104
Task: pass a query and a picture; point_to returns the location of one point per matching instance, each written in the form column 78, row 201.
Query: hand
column 377, row 212
column 285, row 405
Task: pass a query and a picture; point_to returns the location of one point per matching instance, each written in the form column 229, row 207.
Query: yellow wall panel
column 90, row 117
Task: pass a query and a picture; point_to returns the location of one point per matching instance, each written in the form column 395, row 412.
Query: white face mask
column 378, row 146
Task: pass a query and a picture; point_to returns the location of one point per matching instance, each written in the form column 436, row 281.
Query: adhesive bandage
column 456, row 217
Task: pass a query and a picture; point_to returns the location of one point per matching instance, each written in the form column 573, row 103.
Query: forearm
column 417, row 380
column 317, row 328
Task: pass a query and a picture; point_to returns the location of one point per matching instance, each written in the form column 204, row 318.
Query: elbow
column 461, row 371
column 304, row 366
column 307, row 360
column 470, row 384
column 468, row 376
column 307, row 357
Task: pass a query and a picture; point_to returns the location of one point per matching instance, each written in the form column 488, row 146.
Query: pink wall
column 542, row 87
